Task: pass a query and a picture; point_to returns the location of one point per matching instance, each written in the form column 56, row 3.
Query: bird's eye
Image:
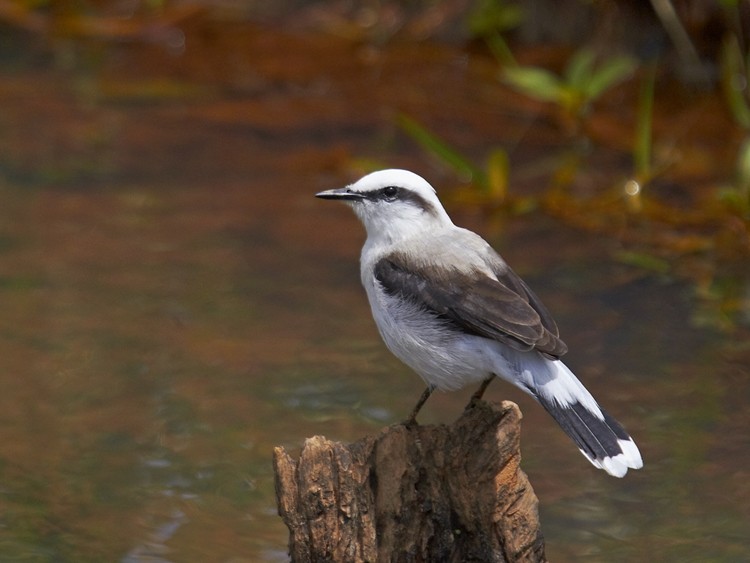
column 390, row 191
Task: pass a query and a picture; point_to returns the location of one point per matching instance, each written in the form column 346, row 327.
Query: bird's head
column 392, row 204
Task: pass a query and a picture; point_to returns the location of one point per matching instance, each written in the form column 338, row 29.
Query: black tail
column 602, row 440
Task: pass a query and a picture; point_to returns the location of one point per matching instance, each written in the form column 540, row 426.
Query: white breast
column 442, row 356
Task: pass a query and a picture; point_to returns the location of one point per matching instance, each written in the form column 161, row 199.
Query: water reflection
column 176, row 303
column 155, row 547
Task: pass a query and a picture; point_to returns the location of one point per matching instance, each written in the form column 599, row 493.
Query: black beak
column 342, row 194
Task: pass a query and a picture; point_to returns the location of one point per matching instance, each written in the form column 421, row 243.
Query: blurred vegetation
column 113, row 21
column 735, row 73
column 491, row 182
column 582, row 82
column 600, row 68
column 708, row 242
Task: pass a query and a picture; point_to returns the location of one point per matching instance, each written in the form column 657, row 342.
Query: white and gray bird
column 448, row 306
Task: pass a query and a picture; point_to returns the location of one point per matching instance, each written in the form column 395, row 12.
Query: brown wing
column 504, row 309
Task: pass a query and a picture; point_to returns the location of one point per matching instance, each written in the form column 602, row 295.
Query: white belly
column 442, row 356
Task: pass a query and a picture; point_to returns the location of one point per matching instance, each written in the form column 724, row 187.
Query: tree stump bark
column 421, row 493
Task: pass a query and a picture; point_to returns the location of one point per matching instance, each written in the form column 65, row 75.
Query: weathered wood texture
column 421, row 493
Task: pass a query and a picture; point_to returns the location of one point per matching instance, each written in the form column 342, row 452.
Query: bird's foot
column 477, row 396
column 411, row 420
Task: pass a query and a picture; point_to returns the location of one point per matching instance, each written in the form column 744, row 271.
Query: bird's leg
column 412, row 420
column 477, row 396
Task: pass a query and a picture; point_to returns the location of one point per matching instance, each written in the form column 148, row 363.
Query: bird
column 449, row 307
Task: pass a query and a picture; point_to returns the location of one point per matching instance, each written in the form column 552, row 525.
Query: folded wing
column 502, row 308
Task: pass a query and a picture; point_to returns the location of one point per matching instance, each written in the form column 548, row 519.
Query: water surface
column 175, row 303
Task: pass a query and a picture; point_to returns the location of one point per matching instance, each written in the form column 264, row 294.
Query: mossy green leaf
column 535, row 82
column 611, row 72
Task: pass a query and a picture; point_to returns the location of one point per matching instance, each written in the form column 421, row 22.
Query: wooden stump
column 421, row 493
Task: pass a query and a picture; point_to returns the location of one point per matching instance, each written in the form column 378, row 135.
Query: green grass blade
column 733, row 81
column 498, row 174
column 440, row 149
column 500, row 49
column 644, row 261
column 579, row 70
column 643, row 136
column 611, row 72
